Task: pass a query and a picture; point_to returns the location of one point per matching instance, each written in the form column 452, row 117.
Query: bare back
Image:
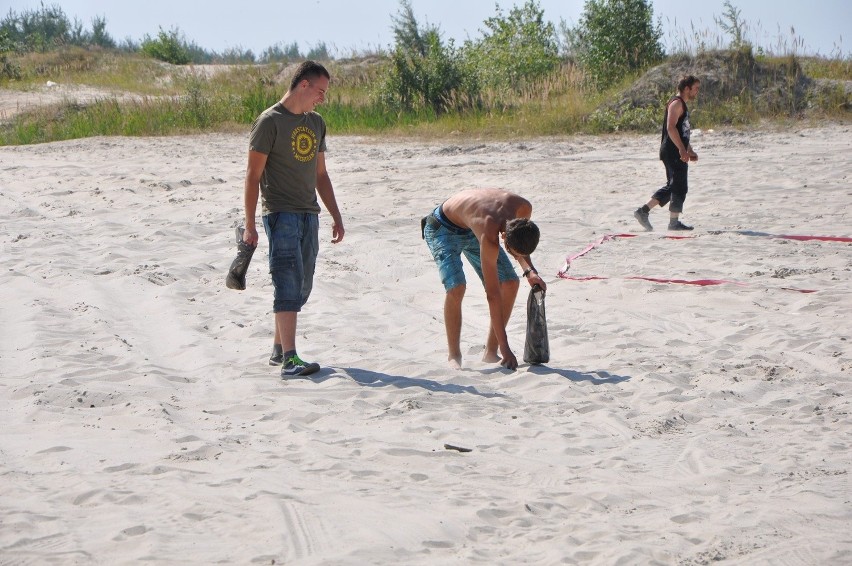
column 485, row 211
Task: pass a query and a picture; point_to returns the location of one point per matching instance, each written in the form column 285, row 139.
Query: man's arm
column 326, row 193
column 488, row 251
column 254, row 170
column 529, row 271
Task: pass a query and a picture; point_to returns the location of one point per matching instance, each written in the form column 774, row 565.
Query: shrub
column 38, row 30
column 516, row 49
column 100, row 36
column 169, row 47
column 731, row 22
column 424, row 73
column 8, row 69
column 280, row 52
column 614, row 37
column 319, row 52
column 237, row 55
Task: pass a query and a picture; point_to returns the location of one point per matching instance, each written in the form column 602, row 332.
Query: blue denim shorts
column 448, row 242
column 293, row 247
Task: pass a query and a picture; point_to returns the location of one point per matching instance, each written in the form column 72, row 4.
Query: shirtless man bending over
column 472, row 223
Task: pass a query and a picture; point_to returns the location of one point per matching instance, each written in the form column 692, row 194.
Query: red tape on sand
column 589, row 248
column 793, row 237
column 563, row 273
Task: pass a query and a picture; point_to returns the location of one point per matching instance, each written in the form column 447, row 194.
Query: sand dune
column 674, row 424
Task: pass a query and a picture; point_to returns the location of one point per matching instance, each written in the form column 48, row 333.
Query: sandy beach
column 675, row 423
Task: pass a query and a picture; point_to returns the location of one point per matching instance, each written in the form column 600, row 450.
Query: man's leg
column 292, row 254
column 277, row 357
column 293, row 364
column 508, row 293
column 641, row 214
column 680, row 187
column 663, row 195
column 285, row 330
column 453, row 322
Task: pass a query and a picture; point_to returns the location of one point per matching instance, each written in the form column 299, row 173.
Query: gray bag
column 536, row 347
column 236, row 278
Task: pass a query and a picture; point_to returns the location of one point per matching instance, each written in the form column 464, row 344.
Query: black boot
column 236, row 278
column 678, row 225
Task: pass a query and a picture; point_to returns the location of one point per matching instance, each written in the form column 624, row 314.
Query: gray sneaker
column 295, row 366
column 678, row 225
column 642, row 217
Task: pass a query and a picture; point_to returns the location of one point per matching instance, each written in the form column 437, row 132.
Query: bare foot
column 455, row 363
column 491, row 357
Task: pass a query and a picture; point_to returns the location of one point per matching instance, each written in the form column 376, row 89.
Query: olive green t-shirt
column 291, row 143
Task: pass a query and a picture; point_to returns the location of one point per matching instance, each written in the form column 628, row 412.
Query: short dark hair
column 522, row 235
column 308, row 70
column 686, row 82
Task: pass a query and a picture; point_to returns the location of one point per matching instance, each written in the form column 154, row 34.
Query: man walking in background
column 675, row 153
column 286, row 167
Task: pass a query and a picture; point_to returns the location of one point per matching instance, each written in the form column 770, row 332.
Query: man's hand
column 692, row 155
column 250, row 236
column 509, row 360
column 337, row 232
column 684, row 155
column 534, row 279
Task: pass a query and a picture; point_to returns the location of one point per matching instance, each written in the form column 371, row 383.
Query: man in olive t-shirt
column 286, row 167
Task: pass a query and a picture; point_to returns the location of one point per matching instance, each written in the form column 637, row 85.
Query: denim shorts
column 293, row 247
column 448, row 242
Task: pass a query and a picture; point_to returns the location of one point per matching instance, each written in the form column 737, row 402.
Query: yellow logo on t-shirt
column 304, row 142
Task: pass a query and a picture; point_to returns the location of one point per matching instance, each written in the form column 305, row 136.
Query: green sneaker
column 296, row 366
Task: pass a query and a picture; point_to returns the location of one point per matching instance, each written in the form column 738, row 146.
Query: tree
column 515, row 49
column 732, row 23
column 8, row 69
column 168, row 46
column 100, row 36
column 614, row 37
column 237, row 55
column 281, row 52
column 424, row 71
column 407, row 33
column 38, row 30
column 319, row 52
column 49, row 28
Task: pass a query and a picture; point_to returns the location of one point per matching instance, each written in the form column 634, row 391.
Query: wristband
column 530, row 270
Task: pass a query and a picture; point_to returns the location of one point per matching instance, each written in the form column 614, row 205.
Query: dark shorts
column 293, row 247
column 676, row 185
column 448, row 242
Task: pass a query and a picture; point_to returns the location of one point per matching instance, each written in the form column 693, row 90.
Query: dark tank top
column 684, row 128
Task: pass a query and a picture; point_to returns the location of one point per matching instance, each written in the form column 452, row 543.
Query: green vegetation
column 48, row 28
column 425, row 75
column 615, row 37
column 519, row 79
column 169, row 47
column 516, row 51
column 8, row 70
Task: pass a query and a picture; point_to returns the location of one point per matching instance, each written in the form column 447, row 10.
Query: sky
column 356, row 26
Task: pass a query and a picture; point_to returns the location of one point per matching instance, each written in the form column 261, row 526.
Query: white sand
column 675, row 424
